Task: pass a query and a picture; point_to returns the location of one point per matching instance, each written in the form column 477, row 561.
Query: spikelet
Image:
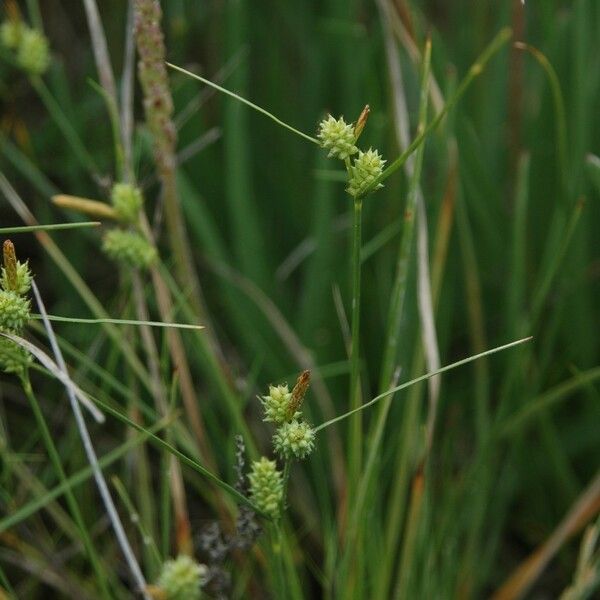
column 367, row 167
column 128, row 248
column 294, row 440
column 127, row 201
column 33, row 53
column 266, row 486
column 338, row 137
column 182, row 579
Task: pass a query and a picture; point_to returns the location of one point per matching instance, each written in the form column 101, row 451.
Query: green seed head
column 276, row 404
column 33, row 53
column 14, row 312
column 338, row 137
column 294, row 440
column 128, row 248
column 127, row 201
column 266, row 486
column 368, row 166
column 10, row 33
column 13, row 358
column 182, row 579
column 21, row 282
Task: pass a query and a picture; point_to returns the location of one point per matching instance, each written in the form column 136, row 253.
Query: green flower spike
column 128, row 248
column 338, row 137
column 276, row 404
column 14, row 312
column 294, row 440
column 266, row 486
column 13, row 358
column 368, row 166
column 15, row 276
column 10, row 33
column 127, row 201
column 182, row 579
column 33, row 53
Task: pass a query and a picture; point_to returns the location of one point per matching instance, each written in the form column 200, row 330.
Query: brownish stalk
column 158, row 105
column 179, row 358
column 585, row 508
column 183, row 536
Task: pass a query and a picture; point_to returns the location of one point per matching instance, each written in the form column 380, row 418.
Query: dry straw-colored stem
column 94, row 208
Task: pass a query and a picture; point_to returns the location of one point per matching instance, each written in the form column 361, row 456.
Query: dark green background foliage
column 256, row 198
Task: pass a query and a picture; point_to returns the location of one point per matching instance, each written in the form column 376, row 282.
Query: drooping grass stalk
column 93, row 460
column 62, row 477
column 244, row 101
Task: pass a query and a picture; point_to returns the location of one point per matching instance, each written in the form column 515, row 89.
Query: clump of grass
column 438, row 491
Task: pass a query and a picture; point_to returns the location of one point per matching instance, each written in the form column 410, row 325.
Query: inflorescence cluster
column 294, row 438
column 28, row 47
column 340, row 138
column 15, row 282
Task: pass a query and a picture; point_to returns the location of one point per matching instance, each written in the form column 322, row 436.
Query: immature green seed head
column 10, row 33
column 294, row 440
column 182, row 579
column 128, row 248
column 276, row 404
column 33, row 53
column 13, row 358
column 266, row 486
column 22, row 282
column 367, row 167
column 127, row 201
column 338, row 137
column 14, row 312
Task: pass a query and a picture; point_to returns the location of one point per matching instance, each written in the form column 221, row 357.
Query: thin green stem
column 355, row 425
column 49, row 227
column 475, row 70
column 71, row 501
column 276, row 550
column 63, row 123
column 393, row 390
column 244, row 101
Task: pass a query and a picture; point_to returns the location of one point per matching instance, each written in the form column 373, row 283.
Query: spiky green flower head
column 367, row 167
column 277, row 404
column 13, row 358
column 127, row 200
column 266, row 486
column 33, row 52
column 128, row 248
column 14, row 311
column 338, row 137
column 22, row 283
column 10, row 33
column 182, row 579
column 294, row 440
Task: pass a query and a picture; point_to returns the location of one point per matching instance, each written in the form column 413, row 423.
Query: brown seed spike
column 10, row 265
column 298, row 393
column 362, row 121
